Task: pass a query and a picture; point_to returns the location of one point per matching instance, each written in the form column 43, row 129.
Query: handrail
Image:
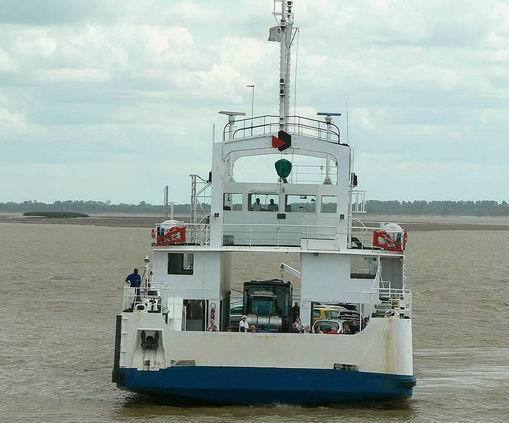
column 392, row 296
column 137, row 295
column 294, row 121
column 360, row 221
column 195, row 234
column 277, row 234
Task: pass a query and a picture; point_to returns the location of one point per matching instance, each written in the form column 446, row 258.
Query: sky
column 113, row 99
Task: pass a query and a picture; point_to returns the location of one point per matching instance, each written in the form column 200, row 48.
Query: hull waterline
column 251, row 385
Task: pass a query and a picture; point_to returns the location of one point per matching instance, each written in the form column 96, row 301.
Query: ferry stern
column 335, row 328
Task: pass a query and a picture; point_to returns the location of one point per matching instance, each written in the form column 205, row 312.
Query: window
column 263, row 202
column 263, row 306
column 232, row 201
column 300, row 203
column 363, row 267
column 180, row 263
column 329, row 204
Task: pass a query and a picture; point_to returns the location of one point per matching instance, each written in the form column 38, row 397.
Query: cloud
column 106, row 84
column 50, row 12
column 77, row 75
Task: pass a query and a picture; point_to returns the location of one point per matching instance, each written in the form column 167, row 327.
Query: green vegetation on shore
column 418, row 207
column 440, row 208
column 56, row 214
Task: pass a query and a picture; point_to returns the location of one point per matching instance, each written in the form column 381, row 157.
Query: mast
column 284, row 33
column 166, row 202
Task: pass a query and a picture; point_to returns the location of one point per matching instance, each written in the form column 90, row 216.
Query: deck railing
column 388, row 301
column 269, row 124
column 358, row 201
column 362, row 236
column 153, row 299
column 249, row 234
column 274, row 234
column 195, row 234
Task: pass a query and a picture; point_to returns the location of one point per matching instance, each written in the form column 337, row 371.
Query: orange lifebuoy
column 174, row 236
column 383, row 240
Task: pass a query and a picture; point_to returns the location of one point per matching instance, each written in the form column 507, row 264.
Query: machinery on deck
column 267, row 305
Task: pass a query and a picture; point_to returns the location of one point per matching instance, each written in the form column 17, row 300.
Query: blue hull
column 251, row 385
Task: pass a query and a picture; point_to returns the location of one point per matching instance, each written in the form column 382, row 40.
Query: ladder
column 200, row 199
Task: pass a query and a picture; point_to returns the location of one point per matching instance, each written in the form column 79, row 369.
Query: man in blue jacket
column 134, row 279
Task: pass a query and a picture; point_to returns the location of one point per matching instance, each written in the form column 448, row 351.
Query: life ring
column 174, row 236
column 383, row 240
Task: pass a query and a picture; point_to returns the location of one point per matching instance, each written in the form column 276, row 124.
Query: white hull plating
column 384, row 346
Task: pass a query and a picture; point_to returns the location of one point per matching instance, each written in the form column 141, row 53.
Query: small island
column 55, row 214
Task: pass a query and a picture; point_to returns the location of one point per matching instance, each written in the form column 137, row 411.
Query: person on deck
column 346, row 328
column 272, row 206
column 257, row 205
column 243, row 325
column 295, row 311
column 212, row 327
column 134, row 279
column 297, row 326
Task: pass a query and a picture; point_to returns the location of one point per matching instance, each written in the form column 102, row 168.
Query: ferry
column 334, row 329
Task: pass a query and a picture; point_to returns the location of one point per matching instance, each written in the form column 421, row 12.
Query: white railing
column 362, row 236
column 384, row 301
column 153, row 298
column 197, row 233
column 358, row 201
column 360, row 233
column 250, row 234
column 269, row 124
column 313, row 174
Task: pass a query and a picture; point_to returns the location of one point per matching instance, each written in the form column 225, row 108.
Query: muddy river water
column 62, row 286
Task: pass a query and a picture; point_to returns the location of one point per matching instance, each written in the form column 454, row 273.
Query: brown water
column 62, row 285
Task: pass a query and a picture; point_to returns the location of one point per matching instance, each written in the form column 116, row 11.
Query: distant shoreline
column 411, row 223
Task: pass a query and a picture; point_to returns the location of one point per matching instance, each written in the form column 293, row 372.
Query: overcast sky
column 111, row 100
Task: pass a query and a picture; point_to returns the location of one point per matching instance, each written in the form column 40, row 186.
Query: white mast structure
column 285, row 34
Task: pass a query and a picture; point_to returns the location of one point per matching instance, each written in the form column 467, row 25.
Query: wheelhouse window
column 300, row 203
column 232, row 201
column 263, row 202
column 180, row 263
column 329, row 204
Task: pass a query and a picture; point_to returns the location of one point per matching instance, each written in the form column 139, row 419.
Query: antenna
column 328, row 114
column 225, row 112
column 231, row 120
column 166, row 202
column 297, row 31
column 285, row 34
column 347, row 131
column 328, row 121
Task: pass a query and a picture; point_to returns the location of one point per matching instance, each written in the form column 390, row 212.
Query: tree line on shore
column 417, row 207
column 444, row 207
